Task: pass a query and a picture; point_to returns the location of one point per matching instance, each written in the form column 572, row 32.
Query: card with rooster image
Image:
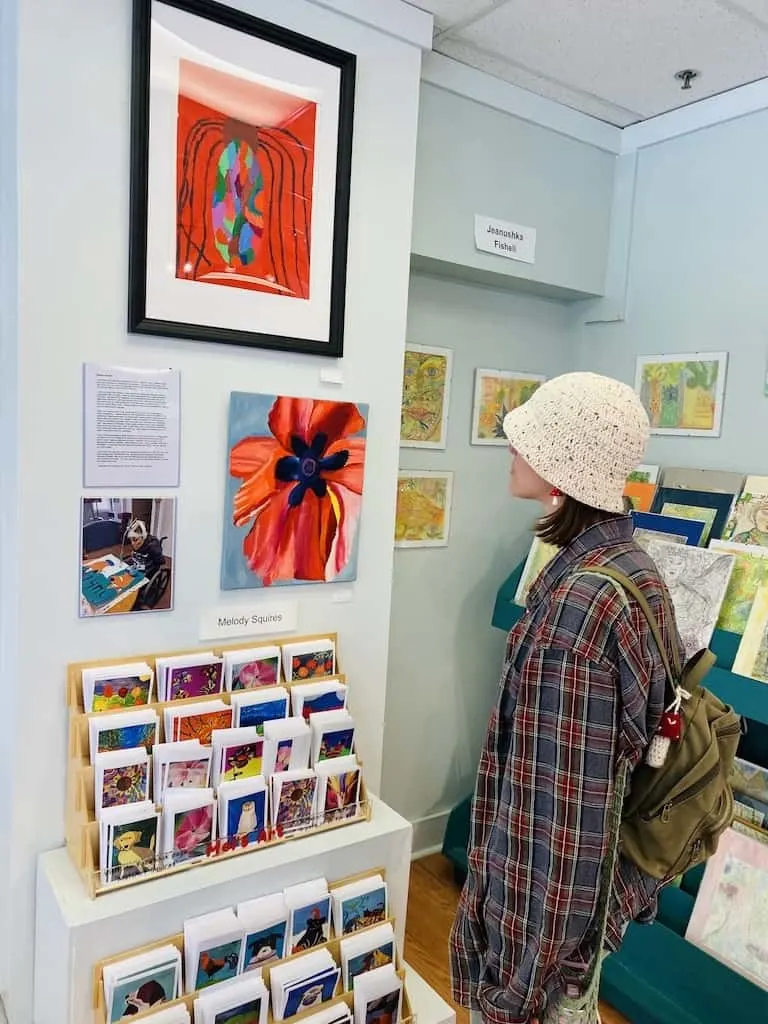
column 218, row 963
column 213, row 949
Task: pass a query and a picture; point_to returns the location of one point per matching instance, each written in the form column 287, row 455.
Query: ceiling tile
column 527, row 79
column 624, row 53
column 755, row 9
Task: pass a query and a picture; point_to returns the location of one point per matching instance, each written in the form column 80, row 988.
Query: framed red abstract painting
column 241, row 157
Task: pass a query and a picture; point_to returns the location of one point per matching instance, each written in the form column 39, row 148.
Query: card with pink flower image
column 252, row 668
column 190, row 774
column 189, row 825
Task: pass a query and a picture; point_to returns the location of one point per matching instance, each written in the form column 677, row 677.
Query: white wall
column 74, row 74
column 697, row 281
column 9, row 462
column 445, row 657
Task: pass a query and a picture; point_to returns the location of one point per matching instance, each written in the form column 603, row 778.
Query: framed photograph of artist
column 241, row 152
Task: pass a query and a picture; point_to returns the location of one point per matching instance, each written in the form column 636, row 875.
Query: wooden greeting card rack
column 81, row 825
column 333, row 946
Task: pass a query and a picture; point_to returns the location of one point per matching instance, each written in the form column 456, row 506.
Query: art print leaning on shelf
column 294, row 491
column 730, row 915
column 750, row 573
column 697, row 580
column 539, row 557
column 752, row 656
column 749, row 522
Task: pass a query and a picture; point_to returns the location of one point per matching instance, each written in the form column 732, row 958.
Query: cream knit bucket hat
column 584, row 434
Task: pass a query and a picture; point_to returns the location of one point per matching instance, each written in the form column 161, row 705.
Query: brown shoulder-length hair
column 568, row 520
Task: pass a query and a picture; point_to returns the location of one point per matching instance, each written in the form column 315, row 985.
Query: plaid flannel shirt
column 582, row 686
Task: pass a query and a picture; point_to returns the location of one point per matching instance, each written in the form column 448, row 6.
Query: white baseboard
column 428, row 834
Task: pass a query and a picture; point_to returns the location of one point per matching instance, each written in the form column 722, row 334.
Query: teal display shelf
column 658, row 977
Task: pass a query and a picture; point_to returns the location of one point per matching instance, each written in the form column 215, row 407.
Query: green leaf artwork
column 695, row 513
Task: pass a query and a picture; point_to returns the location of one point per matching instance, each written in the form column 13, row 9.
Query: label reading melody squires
column 245, row 621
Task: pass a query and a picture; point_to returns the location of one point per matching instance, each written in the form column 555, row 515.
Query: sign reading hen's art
column 241, row 162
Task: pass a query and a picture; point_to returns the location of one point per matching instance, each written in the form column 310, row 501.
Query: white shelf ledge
column 73, row 931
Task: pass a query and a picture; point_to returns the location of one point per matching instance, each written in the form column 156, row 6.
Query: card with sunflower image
column 120, row 777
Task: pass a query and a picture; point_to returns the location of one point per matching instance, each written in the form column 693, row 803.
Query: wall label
column 503, row 238
column 249, row 620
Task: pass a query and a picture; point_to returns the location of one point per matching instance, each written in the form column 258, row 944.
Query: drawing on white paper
column 697, row 579
column 642, row 537
column 735, row 929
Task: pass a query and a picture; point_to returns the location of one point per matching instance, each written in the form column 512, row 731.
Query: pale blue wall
column 472, row 159
column 444, row 655
column 698, row 281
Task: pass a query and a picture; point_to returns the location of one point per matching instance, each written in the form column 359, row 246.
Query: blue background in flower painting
column 248, row 417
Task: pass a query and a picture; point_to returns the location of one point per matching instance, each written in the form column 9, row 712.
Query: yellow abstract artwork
column 498, row 392
column 426, row 392
column 423, row 511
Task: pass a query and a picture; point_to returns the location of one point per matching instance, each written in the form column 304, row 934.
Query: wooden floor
column 431, row 907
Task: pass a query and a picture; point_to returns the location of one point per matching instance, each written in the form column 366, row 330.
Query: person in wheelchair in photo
column 147, row 556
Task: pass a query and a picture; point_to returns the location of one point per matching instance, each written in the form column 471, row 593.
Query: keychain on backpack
column 670, row 731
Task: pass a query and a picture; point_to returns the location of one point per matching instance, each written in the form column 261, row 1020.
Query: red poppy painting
column 294, row 491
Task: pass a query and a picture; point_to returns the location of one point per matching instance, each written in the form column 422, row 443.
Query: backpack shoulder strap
column 631, row 588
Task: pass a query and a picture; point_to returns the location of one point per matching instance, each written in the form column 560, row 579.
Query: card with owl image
column 243, row 810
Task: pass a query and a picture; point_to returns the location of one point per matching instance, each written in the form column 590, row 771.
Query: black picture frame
column 138, row 320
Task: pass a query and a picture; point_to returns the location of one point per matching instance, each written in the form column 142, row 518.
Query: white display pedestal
column 426, row 1004
column 73, row 932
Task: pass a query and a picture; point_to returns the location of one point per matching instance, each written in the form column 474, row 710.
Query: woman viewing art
column 582, row 692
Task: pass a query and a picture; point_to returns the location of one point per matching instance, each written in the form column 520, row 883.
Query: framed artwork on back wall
column 241, row 152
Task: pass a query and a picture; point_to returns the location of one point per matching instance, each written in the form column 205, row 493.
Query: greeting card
column 265, row 921
column 120, row 777
column 213, row 948
column 117, row 686
column 293, row 799
column 309, row 659
column 252, row 668
column 188, row 824
column 338, row 788
column 123, row 731
column 184, row 676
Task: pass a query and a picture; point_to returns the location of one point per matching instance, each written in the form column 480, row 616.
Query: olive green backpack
column 674, row 814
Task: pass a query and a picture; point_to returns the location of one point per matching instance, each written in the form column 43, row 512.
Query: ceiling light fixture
column 686, row 76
